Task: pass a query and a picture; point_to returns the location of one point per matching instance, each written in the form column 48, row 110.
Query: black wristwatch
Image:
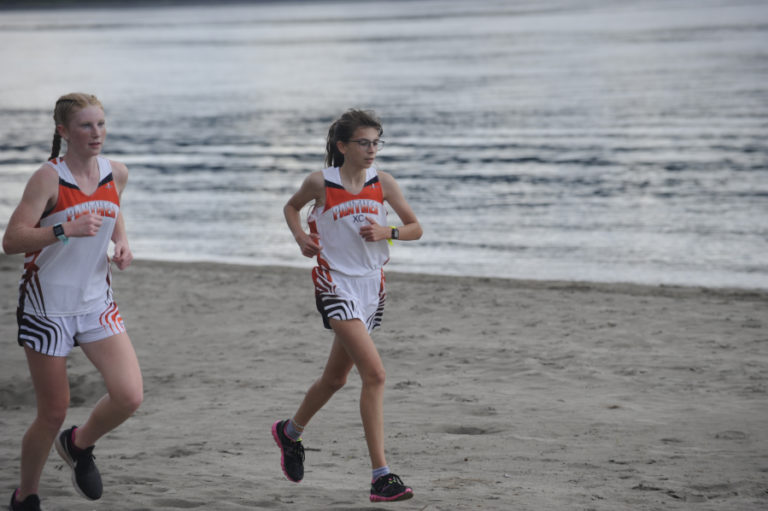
column 395, row 233
column 58, row 231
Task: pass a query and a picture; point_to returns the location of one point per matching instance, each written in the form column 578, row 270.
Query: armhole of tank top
column 58, row 183
column 312, row 213
column 375, row 176
column 315, row 209
column 105, row 168
column 332, row 174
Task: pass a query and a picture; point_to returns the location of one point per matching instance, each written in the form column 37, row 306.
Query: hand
column 123, row 255
column 310, row 245
column 85, row 225
column 373, row 231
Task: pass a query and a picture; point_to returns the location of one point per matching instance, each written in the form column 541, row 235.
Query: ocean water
column 589, row 140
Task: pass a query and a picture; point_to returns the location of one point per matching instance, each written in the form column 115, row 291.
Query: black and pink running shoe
column 291, row 453
column 389, row 488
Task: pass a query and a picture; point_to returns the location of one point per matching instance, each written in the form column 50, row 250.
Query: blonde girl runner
column 68, row 214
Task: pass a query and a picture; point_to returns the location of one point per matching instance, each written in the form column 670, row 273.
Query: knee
column 133, row 401
column 128, row 400
column 52, row 416
column 375, row 377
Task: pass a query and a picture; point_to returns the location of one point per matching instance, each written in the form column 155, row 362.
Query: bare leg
column 357, row 342
column 49, row 377
column 116, row 360
column 333, row 378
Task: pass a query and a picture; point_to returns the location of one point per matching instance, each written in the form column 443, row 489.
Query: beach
column 501, row 394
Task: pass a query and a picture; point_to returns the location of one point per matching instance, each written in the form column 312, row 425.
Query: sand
column 501, row 394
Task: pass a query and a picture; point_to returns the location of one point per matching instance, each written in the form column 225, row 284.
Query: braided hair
column 66, row 107
column 343, row 129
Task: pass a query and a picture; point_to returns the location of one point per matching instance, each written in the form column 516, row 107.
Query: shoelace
column 85, row 457
column 296, row 449
column 392, row 480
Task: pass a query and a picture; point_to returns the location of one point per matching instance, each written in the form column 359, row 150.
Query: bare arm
column 311, row 189
column 410, row 230
column 123, row 255
column 23, row 234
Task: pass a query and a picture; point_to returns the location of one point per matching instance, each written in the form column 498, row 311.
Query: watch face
column 395, row 233
column 58, row 230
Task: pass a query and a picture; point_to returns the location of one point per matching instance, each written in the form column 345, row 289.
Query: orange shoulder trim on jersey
column 336, row 194
column 70, row 195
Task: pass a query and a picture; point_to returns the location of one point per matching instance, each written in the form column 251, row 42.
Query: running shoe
column 31, row 503
column 291, row 453
column 389, row 488
column 85, row 476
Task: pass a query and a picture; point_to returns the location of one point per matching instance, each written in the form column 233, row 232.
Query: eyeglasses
column 365, row 143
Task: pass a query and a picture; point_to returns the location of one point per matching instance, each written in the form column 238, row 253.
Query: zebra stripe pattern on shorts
column 331, row 306
column 374, row 320
column 39, row 333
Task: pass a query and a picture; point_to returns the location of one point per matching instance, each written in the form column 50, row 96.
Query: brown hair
column 66, row 107
column 342, row 130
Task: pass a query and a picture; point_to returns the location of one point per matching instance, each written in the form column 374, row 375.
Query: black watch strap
column 58, row 231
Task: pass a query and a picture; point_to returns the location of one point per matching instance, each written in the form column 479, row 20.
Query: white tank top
column 72, row 279
column 338, row 224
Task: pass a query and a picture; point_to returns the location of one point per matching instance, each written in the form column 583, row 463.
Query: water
column 579, row 140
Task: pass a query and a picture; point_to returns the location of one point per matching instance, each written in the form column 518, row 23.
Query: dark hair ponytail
column 343, row 129
column 56, row 146
column 333, row 157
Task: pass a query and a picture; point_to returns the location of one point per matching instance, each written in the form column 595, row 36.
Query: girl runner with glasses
column 349, row 235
